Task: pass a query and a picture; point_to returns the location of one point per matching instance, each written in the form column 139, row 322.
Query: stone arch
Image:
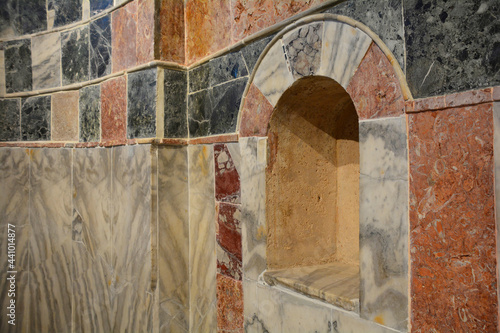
column 349, row 53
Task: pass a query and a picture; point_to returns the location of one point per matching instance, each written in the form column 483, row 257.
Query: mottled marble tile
column 202, row 256
column 226, row 99
column 255, row 113
column 10, row 119
column 303, row 48
column 75, row 55
column 46, row 60
column 253, row 205
column 173, row 238
column 452, row 198
column 208, row 28
column 97, row 6
column 199, row 78
column 496, row 171
column 18, row 74
column 141, row 104
column 145, row 38
column 133, row 225
column 65, row 116
column 384, row 17
column 65, row 11
column 171, row 32
column 252, row 52
column 92, row 240
column 90, row 113
column 51, row 249
column 383, row 226
column 8, row 14
column 199, row 112
column 114, row 109
column 35, row 118
column 228, row 236
column 272, row 77
column 226, row 68
column 175, row 104
column 123, row 37
column 31, row 16
column 458, row 48
column 229, row 304
column 343, row 49
column 100, row 47
column 227, row 178
column 375, row 88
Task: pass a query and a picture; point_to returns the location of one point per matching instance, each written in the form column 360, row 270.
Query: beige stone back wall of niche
column 313, row 177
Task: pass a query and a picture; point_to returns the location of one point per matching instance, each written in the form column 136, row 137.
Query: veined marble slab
column 173, row 239
column 383, row 221
column 202, row 254
column 343, row 49
column 46, row 62
column 253, row 205
column 273, row 76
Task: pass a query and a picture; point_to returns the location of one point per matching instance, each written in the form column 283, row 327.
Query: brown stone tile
column 65, row 116
column 171, row 32
column 208, row 27
column 469, row 97
column 214, row 139
column 227, row 179
column 431, row 103
column 452, row 220
column 255, row 114
column 375, row 88
column 229, row 304
column 409, row 106
column 114, row 110
column 496, row 93
column 145, row 30
column 124, row 22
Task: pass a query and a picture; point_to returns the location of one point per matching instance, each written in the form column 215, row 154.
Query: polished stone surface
column 252, row 52
column 65, row 11
column 2, row 69
column 227, row 172
column 27, row 18
column 383, row 222
column 202, row 255
column 199, row 112
column 199, row 78
column 383, row 17
column 173, row 238
column 229, row 304
column 451, row 46
column 145, row 36
column 46, row 61
column 225, row 68
column 255, row 113
column 100, row 47
column 65, row 116
column 97, row 6
column 228, row 236
column 123, row 39
column 171, row 31
column 114, row 109
column 141, row 104
column 303, row 49
column 226, row 99
column 75, row 55
column 175, row 103
column 35, row 118
column 336, row 283
column 90, row 113
column 18, row 74
column 452, row 197
column 10, row 119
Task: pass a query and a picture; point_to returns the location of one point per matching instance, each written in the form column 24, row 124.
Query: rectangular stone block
column 65, row 11
column 65, row 116
column 175, row 104
column 35, row 118
column 46, row 61
column 114, row 109
column 10, row 119
column 18, row 74
column 90, row 113
column 97, row 6
column 75, row 55
column 124, row 27
column 100, row 47
column 172, row 33
column 141, row 104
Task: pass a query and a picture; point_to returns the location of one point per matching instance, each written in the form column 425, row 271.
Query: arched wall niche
column 320, row 49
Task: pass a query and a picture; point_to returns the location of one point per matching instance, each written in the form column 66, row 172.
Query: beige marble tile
column 173, row 239
column 2, row 73
column 202, row 255
column 343, row 49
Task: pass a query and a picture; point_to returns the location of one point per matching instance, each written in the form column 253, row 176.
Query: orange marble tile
column 256, row 113
column 229, row 304
column 171, row 32
column 65, row 116
column 452, row 220
column 145, row 31
column 469, row 97
column 124, row 22
column 114, row 110
column 375, row 88
column 208, row 27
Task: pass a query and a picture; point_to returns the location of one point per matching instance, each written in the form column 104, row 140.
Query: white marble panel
column 343, row 49
column 46, row 60
column 273, row 75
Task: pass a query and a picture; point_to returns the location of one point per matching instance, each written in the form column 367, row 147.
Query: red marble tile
column 469, row 97
column 229, row 304
column 171, row 31
column 228, row 236
column 452, row 221
column 114, row 110
column 431, row 103
column 123, row 39
column 208, row 27
column 255, row 113
column 496, row 93
column 410, row 106
column 145, row 31
column 227, row 179
column 65, row 116
column 375, row 88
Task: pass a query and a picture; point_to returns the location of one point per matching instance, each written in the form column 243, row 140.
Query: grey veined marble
column 75, row 55
column 46, row 61
column 18, row 75
column 100, row 47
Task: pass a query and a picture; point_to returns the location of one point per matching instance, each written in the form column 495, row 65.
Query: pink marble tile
column 255, row 113
column 228, row 236
column 229, row 305
column 65, row 116
column 469, row 97
column 431, row 103
column 145, row 31
column 124, row 29
column 227, row 179
column 114, row 110
column 496, row 93
column 171, row 32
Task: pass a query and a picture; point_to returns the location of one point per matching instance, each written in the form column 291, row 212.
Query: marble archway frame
column 349, row 53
